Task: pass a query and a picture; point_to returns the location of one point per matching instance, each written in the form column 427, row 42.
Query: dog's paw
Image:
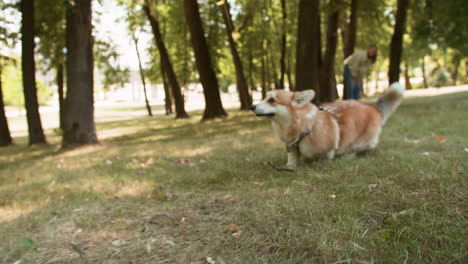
column 287, row 167
column 290, row 167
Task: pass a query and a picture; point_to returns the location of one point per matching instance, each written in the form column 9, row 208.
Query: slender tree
column 167, row 91
column 5, row 136
column 328, row 91
column 349, row 33
column 242, row 87
column 423, row 69
column 283, row 45
column 396, row 45
column 142, row 75
column 307, row 61
column 36, row 133
column 169, row 70
column 61, row 95
column 213, row 105
column 79, row 102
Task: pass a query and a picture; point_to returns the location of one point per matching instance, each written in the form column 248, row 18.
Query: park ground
column 159, row 190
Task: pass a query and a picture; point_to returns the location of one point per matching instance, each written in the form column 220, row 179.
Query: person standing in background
column 355, row 67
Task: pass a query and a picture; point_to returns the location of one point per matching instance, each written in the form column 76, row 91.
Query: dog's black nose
column 252, row 108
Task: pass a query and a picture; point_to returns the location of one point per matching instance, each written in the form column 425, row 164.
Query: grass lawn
column 159, row 190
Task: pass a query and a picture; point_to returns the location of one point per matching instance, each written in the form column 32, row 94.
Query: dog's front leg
column 293, row 157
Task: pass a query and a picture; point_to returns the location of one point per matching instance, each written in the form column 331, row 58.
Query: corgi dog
column 343, row 127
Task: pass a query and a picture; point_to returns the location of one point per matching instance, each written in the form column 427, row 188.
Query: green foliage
column 107, row 60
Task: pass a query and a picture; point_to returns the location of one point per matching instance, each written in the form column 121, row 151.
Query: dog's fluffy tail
column 390, row 100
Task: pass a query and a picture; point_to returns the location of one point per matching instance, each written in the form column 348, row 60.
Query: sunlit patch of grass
column 164, row 190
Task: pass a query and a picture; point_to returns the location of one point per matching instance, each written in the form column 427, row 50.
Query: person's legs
column 357, row 90
column 348, row 82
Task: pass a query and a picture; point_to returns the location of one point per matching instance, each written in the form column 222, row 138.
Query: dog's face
column 277, row 103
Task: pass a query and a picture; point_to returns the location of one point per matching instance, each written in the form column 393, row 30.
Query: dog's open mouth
column 266, row 115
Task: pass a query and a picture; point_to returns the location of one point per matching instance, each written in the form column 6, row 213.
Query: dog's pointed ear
column 302, row 98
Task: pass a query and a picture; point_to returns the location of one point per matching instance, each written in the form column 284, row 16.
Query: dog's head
column 277, row 103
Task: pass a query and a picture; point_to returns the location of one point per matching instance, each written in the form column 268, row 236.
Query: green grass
column 159, row 190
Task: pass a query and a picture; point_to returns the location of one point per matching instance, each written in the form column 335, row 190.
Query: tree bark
column 167, row 91
column 423, row 68
column 213, row 105
column 171, row 76
column 456, row 65
column 142, row 76
column 307, row 61
column 283, row 46
column 5, row 136
column 328, row 91
column 242, row 87
column 288, row 73
column 264, row 81
column 253, row 87
column 349, row 40
column 79, row 102
column 396, row 45
column 36, row 133
column 61, row 95
column 407, row 78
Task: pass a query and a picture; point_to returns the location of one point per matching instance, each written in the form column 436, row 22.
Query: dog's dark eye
column 271, row 100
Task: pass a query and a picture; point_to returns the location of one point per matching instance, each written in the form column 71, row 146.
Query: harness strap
column 295, row 143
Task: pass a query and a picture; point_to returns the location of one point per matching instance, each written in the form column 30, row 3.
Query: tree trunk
column 396, row 45
column 407, row 78
column 307, row 61
column 79, row 102
column 423, row 68
column 5, row 136
column 283, row 46
column 288, row 73
column 61, row 95
column 213, row 105
column 36, row 133
column 167, row 92
column 328, row 91
column 142, row 76
column 350, row 33
column 242, row 88
column 264, row 81
column 171, row 76
column 251, row 72
column 456, row 64
column 267, row 69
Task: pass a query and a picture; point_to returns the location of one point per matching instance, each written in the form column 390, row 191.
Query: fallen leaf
column 287, row 191
column 259, row 183
column 210, row 260
column 455, row 175
column 158, row 196
column 371, row 187
column 431, row 179
column 149, row 244
column 20, row 180
column 237, row 234
column 311, row 190
column 108, row 162
column 119, row 242
column 232, row 227
column 187, row 162
column 441, row 139
column 390, row 182
column 426, row 153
